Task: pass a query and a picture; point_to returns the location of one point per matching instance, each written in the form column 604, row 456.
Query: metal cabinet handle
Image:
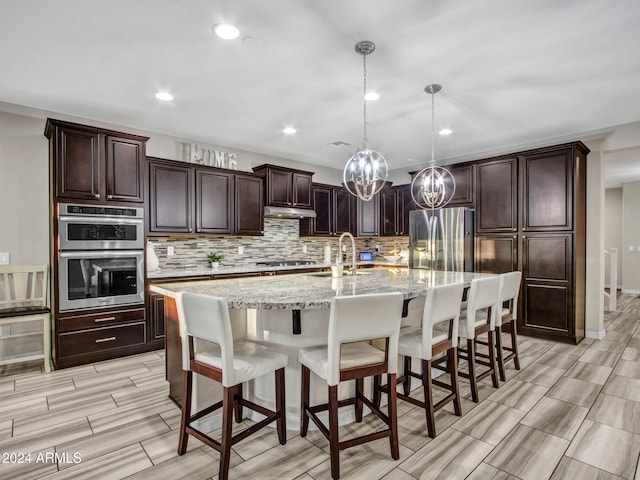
column 96, row 195
column 107, row 319
column 107, row 339
column 109, row 197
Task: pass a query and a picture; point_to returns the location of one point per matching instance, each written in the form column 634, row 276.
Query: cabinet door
column 547, row 285
column 497, row 196
column 78, row 164
column 155, row 308
column 389, row 211
column 547, row 191
column 405, row 205
column 344, row 211
column 322, row 207
column 368, row 217
column 301, row 190
column 170, row 198
column 464, row 187
column 124, row 167
column 279, row 188
column 496, row 253
column 214, row 202
column 249, row 205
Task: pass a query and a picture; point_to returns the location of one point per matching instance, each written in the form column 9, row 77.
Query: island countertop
column 311, row 291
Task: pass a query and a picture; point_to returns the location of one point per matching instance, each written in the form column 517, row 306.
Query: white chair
column 353, row 321
column 231, row 363
column 23, row 298
column 478, row 318
column 508, row 315
column 441, row 309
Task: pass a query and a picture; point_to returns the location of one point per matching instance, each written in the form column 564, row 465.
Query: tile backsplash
column 281, row 241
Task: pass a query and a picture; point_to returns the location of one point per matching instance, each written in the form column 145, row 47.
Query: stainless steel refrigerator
column 442, row 239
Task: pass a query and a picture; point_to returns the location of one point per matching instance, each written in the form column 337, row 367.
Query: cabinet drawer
column 94, row 320
column 101, row 339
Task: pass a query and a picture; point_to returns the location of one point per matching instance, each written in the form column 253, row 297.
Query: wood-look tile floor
column 572, row 412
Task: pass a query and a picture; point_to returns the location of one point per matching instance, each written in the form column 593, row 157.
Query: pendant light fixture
column 366, row 171
column 433, row 187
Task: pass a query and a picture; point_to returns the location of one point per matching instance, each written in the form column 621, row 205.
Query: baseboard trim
column 596, row 334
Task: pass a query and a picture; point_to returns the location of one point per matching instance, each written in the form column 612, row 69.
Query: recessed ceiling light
column 226, row 31
column 445, row 131
column 164, row 96
column 289, row 130
column 371, row 96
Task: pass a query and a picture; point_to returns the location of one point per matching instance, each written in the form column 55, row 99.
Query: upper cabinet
column 497, row 197
column 335, row 212
column 368, row 217
column 189, row 199
column 395, row 205
column 464, row 194
column 95, row 164
column 286, row 187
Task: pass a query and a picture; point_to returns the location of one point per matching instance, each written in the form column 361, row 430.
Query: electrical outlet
column 377, row 248
column 171, row 251
column 304, row 249
column 4, row 258
column 240, row 250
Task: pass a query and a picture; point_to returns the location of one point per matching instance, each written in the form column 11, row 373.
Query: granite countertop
column 312, row 290
column 251, row 268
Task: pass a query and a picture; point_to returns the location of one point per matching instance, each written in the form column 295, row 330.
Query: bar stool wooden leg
column 428, row 398
column 392, row 413
column 514, row 344
column 281, row 408
column 452, row 364
column 471, row 360
column 304, row 416
column 237, row 404
column 492, row 359
column 227, row 426
column 186, row 411
column 406, row 383
column 359, row 393
column 334, row 445
column 377, row 392
column 499, row 355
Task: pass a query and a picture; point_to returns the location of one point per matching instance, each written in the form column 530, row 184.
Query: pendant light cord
column 433, row 131
column 365, row 141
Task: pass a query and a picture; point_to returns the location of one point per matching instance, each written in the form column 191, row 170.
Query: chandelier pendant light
column 433, row 187
column 366, row 171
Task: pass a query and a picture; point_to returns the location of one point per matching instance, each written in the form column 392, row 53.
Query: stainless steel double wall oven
column 100, row 256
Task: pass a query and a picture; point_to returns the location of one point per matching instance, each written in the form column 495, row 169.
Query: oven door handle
column 100, row 253
column 100, row 220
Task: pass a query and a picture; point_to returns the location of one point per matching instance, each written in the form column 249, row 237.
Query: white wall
column 613, row 230
column 630, row 237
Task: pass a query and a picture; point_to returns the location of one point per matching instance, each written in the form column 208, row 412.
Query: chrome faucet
column 353, row 250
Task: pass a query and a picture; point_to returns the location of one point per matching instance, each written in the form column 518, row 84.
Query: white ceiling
column 515, row 73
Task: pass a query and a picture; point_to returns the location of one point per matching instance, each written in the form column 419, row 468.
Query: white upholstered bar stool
column 441, row 309
column 478, row 318
column 353, row 320
column 507, row 316
column 230, row 363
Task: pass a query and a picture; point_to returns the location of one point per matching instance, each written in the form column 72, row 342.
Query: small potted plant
column 214, row 258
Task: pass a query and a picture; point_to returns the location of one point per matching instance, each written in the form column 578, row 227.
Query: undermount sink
column 345, row 274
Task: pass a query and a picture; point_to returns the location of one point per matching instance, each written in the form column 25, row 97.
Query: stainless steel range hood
column 288, row 212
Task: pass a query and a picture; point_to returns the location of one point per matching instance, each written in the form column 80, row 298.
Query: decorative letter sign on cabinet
column 531, row 216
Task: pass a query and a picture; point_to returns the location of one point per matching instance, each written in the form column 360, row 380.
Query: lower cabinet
column 97, row 335
column 155, row 314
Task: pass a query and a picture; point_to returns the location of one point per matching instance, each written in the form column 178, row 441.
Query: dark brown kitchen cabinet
column 547, row 191
column 188, row 199
column 395, row 205
column 155, row 314
column 497, row 197
column 94, row 164
column 464, row 176
column 531, row 216
column 335, row 212
column 496, row 253
column 368, row 217
column 286, row 187
column 249, row 205
column 170, row 197
column 214, row 202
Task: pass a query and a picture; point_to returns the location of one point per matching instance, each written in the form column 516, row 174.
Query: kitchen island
column 290, row 312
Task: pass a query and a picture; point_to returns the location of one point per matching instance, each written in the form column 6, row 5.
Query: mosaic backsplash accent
column 281, row 241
